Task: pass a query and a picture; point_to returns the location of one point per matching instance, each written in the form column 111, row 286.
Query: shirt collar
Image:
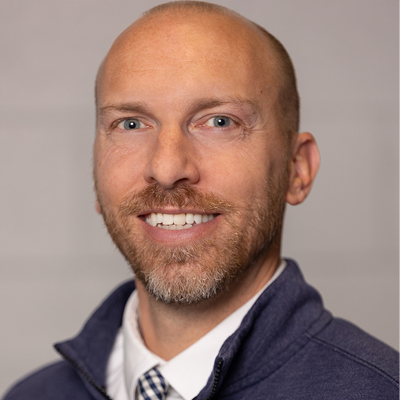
column 138, row 359
column 188, row 372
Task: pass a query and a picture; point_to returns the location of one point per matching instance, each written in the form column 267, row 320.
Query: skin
column 204, row 59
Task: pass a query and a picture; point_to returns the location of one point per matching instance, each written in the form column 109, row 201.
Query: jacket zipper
column 216, row 378
column 101, row 389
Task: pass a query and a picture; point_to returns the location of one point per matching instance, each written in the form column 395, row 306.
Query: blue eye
column 131, row 124
column 221, row 122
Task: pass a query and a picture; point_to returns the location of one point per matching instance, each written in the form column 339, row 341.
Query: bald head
column 196, row 106
column 194, row 30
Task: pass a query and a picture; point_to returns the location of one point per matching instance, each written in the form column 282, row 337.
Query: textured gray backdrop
column 56, row 260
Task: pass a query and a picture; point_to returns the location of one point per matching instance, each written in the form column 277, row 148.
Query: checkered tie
column 152, row 386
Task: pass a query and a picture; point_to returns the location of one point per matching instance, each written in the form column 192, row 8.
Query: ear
column 97, row 206
column 304, row 166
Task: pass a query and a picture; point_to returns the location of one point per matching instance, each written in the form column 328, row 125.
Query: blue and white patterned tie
column 152, row 386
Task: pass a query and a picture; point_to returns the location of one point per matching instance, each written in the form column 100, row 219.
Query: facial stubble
column 194, row 272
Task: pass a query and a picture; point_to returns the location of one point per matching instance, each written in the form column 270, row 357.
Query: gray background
column 56, row 260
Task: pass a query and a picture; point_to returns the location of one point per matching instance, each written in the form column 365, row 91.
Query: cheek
column 247, row 172
column 118, row 169
column 237, row 172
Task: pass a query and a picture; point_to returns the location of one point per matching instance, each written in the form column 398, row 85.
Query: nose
column 172, row 159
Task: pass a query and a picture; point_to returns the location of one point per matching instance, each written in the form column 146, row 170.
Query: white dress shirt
column 187, row 373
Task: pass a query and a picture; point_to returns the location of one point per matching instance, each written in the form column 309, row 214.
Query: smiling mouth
column 177, row 221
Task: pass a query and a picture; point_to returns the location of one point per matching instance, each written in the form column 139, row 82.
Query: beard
column 194, row 272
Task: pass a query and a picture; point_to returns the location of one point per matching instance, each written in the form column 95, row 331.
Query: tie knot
column 152, row 386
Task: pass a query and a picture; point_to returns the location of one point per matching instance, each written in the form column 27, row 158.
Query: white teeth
column 151, row 220
column 189, row 218
column 168, row 219
column 197, row 218
column 177, row 221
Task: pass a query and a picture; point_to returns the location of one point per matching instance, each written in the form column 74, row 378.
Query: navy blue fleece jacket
column 287, row 347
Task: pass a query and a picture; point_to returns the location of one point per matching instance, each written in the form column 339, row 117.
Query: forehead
column 177, row 50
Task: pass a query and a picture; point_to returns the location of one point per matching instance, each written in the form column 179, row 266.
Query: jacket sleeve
column 57, row 381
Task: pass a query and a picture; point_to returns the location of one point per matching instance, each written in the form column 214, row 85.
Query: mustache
column 181, row 196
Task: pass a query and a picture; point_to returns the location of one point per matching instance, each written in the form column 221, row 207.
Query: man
column 197, row 150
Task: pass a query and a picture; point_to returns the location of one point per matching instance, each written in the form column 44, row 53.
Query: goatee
column 194, row 272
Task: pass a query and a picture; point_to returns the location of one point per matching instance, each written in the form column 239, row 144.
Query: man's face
column 190, row 165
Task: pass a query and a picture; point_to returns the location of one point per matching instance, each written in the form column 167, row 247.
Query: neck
column 169, row 329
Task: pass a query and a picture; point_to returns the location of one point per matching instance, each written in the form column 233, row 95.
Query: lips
column 177, row 221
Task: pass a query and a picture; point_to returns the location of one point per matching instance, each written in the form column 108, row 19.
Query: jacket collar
column 277, row 325
column 281, row 322
column 88, row 352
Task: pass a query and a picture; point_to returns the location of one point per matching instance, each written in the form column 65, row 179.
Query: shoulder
column 88, row 352
column 342, row 336
column 336, row 361
column 344, row 352
column 56, row 381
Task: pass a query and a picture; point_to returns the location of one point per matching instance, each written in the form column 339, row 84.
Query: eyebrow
column 125, row 107
column 192, row 106
column 202, row 104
